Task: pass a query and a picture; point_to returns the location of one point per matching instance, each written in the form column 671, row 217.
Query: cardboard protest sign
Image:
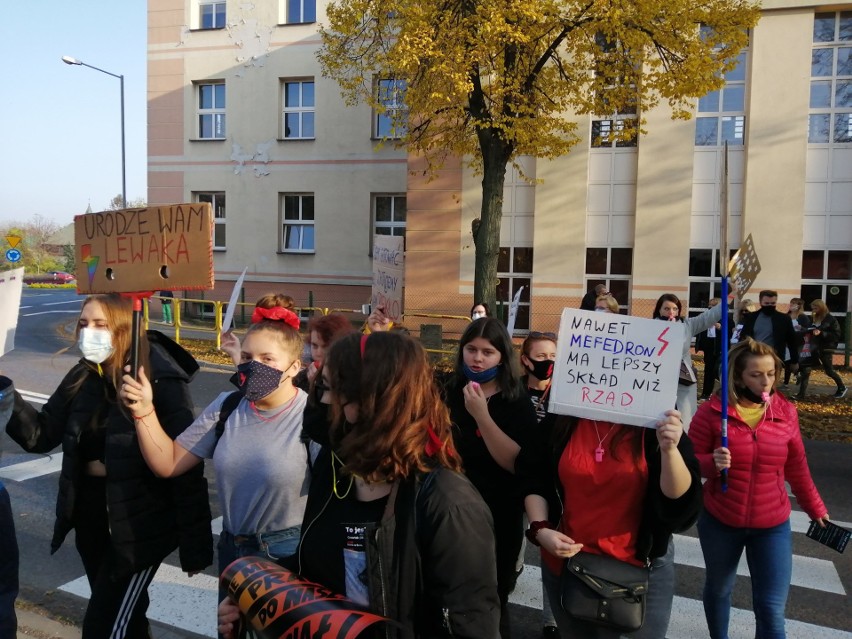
column 615, row 367
column 744, row 267
column 11, row 285
column 278, row 603
column 388, row 272
column 134, row 250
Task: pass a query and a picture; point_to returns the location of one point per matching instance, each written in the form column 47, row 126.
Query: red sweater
column 761, row 460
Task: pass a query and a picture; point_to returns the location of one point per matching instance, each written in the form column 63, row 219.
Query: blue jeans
column 8, row 568
column 769, row 552
column 273, row 545
column 658, row 605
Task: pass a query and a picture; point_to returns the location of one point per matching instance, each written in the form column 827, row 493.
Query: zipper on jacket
column 382, row 582
column 445, row 620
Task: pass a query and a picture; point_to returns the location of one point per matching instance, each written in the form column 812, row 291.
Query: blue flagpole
column 723, row 375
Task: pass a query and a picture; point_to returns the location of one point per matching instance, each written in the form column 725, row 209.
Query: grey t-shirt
column 763, row 329
column 262, row 473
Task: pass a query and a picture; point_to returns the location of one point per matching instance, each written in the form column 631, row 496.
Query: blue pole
column 723, row 375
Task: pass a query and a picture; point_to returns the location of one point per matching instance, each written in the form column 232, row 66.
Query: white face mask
column 95, row 344
column 476, row 316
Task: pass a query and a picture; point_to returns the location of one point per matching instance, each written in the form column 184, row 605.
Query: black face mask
column 541, row 370
column 746, row 393
column 767, row 310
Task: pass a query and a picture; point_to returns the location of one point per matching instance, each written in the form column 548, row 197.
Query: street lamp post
column 69, row 60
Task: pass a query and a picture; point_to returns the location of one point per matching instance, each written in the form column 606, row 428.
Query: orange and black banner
column 278, row 604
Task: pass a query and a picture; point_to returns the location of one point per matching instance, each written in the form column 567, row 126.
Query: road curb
column 36, row 623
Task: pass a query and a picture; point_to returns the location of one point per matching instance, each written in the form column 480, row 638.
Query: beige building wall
column 254, row 165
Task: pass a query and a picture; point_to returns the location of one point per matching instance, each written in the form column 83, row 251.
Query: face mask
column 601, row 310
column 476, row 316
column 95, row 344
column 767, row 310
column 258, row 380
column 542, row 370
column 746, row 393
column 482, row 376
column 793, row 308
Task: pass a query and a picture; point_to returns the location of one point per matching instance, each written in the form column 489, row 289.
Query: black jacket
column 783, row 334
column 829, row 333
column 537, row 466
column 430, row 560
column 148, row 517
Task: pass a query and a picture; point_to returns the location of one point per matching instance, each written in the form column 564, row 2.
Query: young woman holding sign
column 126, row 520
column 492, row 417
column 611, row 490
column 764, row 450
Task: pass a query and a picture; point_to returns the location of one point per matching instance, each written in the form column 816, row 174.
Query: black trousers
column 8, row 568
column 508, row 538
column 118, row 605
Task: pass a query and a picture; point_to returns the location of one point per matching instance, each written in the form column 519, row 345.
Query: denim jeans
column 658, row 605
column 8, row 568
column 273, row 545
column 769, row 553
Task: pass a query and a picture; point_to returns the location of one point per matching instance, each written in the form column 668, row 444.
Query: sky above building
column 62, row 123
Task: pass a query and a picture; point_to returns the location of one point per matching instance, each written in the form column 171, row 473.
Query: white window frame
column 298, row 110
column 394, row 225
column 834, row 113
column 218, row 202
column 214, row 6
column 732, row 119
column 606, row 125
column 300, row 221
column 394, row 113
column 217, row 113
column 301, row 6
column 593, row 279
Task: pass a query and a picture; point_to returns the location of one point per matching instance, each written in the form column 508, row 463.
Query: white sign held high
column 11, row 286
column 615, row 367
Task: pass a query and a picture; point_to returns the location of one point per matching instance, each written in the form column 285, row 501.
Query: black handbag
column 602, row 590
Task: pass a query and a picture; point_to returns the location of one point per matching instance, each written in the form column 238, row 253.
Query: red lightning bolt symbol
column 662, row 341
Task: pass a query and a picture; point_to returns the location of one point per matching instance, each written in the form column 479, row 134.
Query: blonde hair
column 738, row 359
column 610, row 301
column 820, row 311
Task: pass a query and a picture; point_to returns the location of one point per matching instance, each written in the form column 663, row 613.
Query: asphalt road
column 818, row 605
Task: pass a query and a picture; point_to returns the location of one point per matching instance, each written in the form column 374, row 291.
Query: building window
column 298, row 122
column 211, row 111
column 826, row 275
column 389, row 215
column 390, row 121
column 603, row 132
column 721, row 113
column 830, row 117
column 297, row 223
column 612, row 267
column 212, row 15
column 514, row 270
column 705, row 279
column 217, row 201
column 301, row 11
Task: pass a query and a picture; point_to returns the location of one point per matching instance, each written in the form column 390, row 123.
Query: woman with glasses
column 261, row 462
column 492, row 417
column 391, row 523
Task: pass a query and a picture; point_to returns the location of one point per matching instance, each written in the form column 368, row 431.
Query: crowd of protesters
column 406, row 490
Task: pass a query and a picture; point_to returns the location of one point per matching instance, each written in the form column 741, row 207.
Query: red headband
column 364, row 343
column 276, row 314
column 434, row 445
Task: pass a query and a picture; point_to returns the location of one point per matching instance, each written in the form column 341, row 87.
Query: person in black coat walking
column 772, row 327
column 126, row 520
column 8, row 540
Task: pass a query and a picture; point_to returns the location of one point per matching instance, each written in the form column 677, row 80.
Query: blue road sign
column 13, row 255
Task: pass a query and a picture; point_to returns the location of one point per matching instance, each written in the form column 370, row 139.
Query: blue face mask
column 480, row 377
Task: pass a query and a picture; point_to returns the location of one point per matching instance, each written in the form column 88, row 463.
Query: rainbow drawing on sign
column 91, row 262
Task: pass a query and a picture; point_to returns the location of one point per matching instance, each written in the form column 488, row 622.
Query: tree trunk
column 495, row 157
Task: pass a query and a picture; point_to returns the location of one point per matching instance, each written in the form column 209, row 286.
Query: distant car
column 51, row 277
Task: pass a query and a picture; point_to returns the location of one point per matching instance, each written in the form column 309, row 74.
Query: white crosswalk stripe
column 189, row 603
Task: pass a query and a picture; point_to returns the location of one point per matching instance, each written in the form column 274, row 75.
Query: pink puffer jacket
column 761, row 459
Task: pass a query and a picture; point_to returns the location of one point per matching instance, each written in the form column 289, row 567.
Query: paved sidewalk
column 34, row 622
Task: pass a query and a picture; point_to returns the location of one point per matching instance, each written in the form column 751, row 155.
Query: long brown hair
column 388, row 375
column 118, row 311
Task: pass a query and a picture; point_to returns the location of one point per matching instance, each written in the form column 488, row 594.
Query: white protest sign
column 11, row 285
column 615, row 367
column 388, row 271
column 232, row 303
column 513, row 311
